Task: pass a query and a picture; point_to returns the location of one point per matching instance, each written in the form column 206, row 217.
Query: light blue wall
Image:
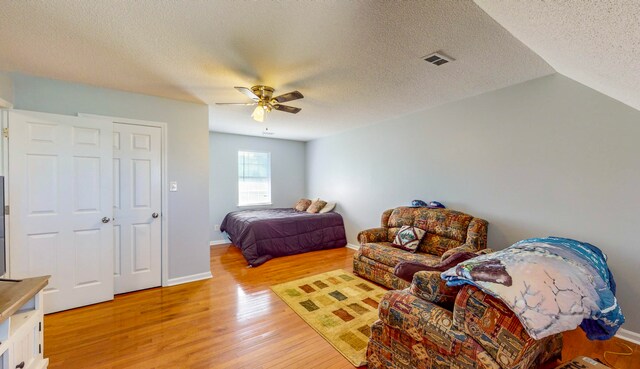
column 188, row 153
column 287, row 173
column 545, row 157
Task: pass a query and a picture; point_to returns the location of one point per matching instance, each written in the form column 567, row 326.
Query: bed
column 263, row 234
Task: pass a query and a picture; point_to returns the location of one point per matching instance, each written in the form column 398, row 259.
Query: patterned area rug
column 339, row 306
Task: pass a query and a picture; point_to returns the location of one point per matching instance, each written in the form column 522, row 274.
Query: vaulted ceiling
column 356, row 62
column 594, row 42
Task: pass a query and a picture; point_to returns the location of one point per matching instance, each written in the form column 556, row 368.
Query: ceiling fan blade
column 245, row 104
column 294, row 95
column 286, row 108
column 248, row 93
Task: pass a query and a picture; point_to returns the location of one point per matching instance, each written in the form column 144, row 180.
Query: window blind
column 254, row 178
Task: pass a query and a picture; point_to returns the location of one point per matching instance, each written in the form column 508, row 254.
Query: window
column 254, row 178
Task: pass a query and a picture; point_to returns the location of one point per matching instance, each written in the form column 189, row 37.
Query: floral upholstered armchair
column 430, row 325
column 447, row 232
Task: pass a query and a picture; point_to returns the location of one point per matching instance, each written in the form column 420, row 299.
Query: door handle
column 106, row 220
column 155, row 215
column 20, row 366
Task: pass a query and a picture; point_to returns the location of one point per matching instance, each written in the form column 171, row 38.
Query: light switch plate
column 173, row 186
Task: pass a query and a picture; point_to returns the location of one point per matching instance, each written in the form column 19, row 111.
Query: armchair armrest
column 373, row 235
column 406, row 269
column 480, row 316
column 423, row 321
column 430, row 287
column 477, row 233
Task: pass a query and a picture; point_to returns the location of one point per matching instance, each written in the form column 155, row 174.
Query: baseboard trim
column 353, row 247
column 218, row 242
column 628, row 336
column 189, row 278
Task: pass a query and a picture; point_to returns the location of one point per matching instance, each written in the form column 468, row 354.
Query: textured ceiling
column 596, row 42
column 356, row 62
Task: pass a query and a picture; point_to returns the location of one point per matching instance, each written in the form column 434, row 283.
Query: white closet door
column 136, row 205
column 60, row 183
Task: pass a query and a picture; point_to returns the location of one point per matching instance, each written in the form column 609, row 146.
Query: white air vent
column 438, row 59
column 268, row 133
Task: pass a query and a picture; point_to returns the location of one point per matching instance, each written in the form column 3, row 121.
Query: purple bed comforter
column 267, row 233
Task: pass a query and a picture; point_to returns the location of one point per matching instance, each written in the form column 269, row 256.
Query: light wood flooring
column 230, row 321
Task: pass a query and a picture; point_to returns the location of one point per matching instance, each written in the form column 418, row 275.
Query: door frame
column 164, row 188
column 5, row 172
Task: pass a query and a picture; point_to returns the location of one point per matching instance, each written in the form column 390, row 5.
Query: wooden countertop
column 15, row 293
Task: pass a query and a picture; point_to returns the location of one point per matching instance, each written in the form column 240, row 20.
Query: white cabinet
column 21, row 336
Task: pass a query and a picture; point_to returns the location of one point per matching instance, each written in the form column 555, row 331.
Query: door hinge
column 5, row 132
column 40, row 326
column 39, row 348
column 6, row 210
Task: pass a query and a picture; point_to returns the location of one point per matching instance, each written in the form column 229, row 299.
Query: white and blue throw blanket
column 552, row 284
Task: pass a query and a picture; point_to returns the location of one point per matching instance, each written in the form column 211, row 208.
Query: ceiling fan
column 262, row 97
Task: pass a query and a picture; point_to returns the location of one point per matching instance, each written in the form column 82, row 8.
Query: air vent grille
column 438, row 59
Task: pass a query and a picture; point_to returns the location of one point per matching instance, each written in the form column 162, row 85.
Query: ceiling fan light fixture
column 262, row 96
column 258, row 113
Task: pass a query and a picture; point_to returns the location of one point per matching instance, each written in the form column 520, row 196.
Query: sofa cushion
column 374, row 264
column 402, row 216
column 388, row 255
column 392, row 233
column 445, row 228
column 408, row 238
column 443, row 222
column 437, row 245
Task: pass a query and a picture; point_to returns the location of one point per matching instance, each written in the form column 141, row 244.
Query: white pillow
column 327, row 208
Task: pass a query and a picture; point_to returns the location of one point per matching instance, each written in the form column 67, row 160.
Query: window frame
column 266, row 203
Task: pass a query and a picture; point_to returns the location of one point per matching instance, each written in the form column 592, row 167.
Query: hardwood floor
column 577, row 344
column 230, row 321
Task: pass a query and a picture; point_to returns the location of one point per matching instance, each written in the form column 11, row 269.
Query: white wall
column 545, row 157
column 287, row 173
column 188, row 153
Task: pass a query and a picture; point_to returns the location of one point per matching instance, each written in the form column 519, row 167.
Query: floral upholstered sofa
column 431, row 325
column 447, row 232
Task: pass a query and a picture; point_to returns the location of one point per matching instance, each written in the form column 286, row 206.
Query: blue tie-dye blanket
column 552, row 284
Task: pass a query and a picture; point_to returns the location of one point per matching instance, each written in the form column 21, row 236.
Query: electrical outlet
column 216, row 227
